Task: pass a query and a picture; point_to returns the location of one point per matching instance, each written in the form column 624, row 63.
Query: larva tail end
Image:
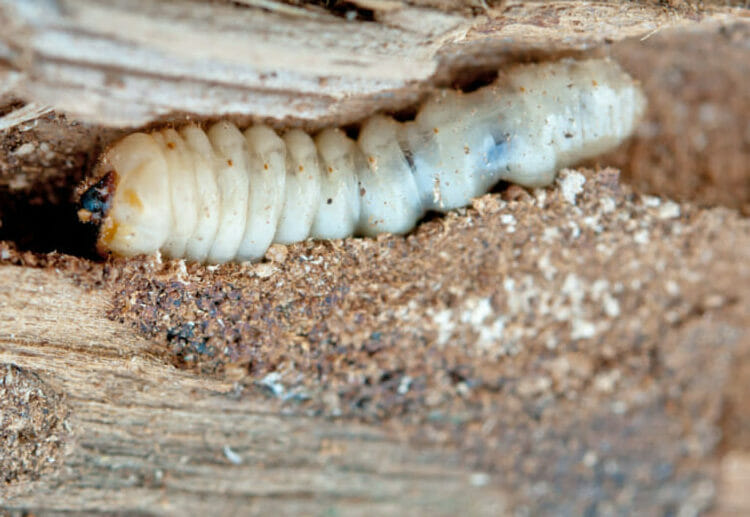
column 96, row 201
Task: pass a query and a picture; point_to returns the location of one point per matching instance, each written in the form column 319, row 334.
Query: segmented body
column 225, row 195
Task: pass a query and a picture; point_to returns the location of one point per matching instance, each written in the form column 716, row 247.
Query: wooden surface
column 149, row 438
column 127, row 62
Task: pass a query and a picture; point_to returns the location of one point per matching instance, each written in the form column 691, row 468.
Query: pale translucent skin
column 227, row 195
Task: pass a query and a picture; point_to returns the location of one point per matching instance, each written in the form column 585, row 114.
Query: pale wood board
column 127, row 62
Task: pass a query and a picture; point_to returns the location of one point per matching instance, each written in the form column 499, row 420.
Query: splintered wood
column 129, row 61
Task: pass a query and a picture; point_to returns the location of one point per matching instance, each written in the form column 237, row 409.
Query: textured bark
column 128, row 62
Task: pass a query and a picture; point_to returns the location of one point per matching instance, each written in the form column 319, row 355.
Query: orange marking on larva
column 170, row 145
column 435, row 130
column 108, row 231
column 594, row 83
column 265, row 166
column 230, row 163
column 301, row 168
column 466, row 149
column 522, row 89
column 133, row 199
column 330, row 170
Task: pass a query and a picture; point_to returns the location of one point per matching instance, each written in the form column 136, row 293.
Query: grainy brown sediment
column 503, row 282
column 569, row 339
column 34, row 427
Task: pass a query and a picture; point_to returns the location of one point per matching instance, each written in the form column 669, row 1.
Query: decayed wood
column 148, row 437
column 25, row 113
column 128, row 61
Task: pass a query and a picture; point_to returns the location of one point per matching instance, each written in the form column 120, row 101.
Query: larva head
column 96, row 200
column 130, row 201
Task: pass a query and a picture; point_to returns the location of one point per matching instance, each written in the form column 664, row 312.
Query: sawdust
column 33, row 427
column 589, row 337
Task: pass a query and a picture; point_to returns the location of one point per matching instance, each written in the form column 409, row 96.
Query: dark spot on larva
column 409, row 159
column 570, row 85
column 435, row 130
column 265, row 166
column 466, row 149
column 371, row 159
column 568, row 135
column 230, row 163
column 362, row 191
column 170, row 145
column 497, row 156
column 329, row 200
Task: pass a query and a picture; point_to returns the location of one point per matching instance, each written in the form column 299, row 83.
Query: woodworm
column 224, row 195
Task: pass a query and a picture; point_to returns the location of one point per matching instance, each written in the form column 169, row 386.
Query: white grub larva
column 225, row 195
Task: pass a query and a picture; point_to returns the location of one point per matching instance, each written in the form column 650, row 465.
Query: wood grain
column 127, row 62
column 149, row 438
